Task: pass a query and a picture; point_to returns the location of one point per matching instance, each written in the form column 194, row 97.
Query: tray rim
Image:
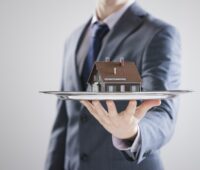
column 143, row 95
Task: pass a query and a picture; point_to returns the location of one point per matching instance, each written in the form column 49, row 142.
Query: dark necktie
column 98, row 33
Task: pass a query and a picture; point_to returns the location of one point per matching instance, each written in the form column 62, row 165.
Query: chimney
column 115, row 70
column 107, row 59
column 122, row 61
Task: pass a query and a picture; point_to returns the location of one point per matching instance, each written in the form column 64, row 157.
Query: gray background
column 32, row 35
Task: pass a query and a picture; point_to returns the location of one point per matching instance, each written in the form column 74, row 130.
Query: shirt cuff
column 124, row 145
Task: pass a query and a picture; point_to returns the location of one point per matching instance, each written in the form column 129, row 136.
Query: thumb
column 144, row 107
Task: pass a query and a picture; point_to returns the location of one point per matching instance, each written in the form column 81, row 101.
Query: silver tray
column 145, row 95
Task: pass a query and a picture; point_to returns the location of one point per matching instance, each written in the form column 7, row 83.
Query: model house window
column 111, row 88
column 122, row 88
column 133, row 88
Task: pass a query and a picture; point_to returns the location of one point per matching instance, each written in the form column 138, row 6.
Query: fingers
column 130, row 109
column 90, row 108
column 88, row 105
column 112, row 111
column 102, row 113
column 105, row 118
column 144, row 107
column 97, row 110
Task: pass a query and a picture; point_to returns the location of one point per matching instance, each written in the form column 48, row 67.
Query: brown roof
column 126, row 72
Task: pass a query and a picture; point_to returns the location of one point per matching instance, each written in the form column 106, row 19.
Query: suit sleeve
column 56, row 150
column 160, row 71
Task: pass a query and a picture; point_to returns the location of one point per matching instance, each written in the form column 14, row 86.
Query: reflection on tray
column 66, row 95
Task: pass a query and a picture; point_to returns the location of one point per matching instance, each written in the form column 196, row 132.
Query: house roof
column 116, row 72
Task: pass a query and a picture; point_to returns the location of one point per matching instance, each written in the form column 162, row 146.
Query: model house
column 109, row 76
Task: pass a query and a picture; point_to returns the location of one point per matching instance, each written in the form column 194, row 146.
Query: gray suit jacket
column 78, row 141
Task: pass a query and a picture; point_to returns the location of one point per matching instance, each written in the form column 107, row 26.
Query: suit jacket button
column 84, row 157
column 84, row 118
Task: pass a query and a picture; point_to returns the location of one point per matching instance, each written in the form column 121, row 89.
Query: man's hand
column 123, row 125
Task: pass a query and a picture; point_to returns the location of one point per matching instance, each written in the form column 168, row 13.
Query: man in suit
column 126, row 135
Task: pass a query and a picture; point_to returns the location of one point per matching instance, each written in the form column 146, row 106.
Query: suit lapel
column 77, row 40
column 73, row 80
column 126, row 25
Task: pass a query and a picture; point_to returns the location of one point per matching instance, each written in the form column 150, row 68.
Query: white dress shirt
column 82, row 53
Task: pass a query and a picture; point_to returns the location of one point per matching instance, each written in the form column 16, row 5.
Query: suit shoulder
column 159, row 25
